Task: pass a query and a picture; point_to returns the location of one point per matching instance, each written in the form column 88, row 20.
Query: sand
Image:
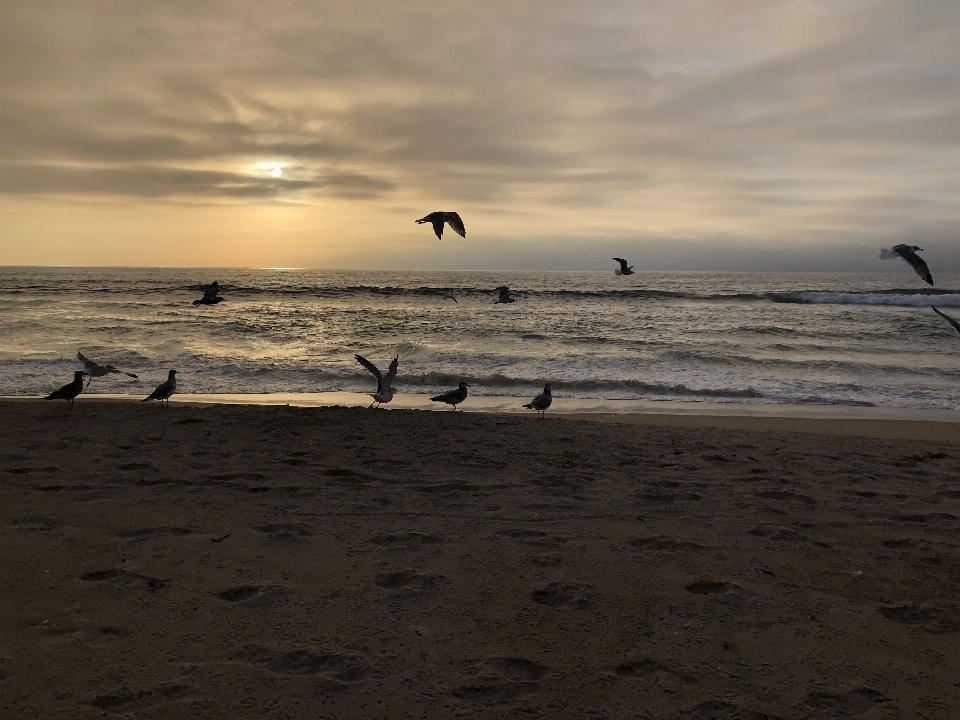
column 240, row 562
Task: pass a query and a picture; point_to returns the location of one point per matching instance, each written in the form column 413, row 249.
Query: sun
column 277, row 172
column 273, row 168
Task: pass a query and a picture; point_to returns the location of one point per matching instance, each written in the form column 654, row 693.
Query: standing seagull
column 956, row 325
column 69, row 391
column 95, row 370
column 908, row 253
column 541, row 402
column 504, row 295
column 439, row 218
column 164, row 390
column 210, row 295
column 623, row 269
column 384, row 393
column 453, row 397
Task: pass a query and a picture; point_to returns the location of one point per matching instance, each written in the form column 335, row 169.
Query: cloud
column 822, row 121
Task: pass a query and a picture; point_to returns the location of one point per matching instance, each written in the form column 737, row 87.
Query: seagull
column 69, row 391
column 439, row 218
column 210, row 295
column 541, row 402
column 450, row 297
column 384, row 393
column 164, row 390
column 908, row 253
column 453, row 397
column 504, row 295
column 956, row 325
column 95, row 370
column 623, row 270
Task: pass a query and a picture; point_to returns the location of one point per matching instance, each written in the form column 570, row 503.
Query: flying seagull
column 954, row 323
column 210, row 295
column 504, row 295
column 95, row 370
column 69, row 391
column 384, row 393
column 453, row 397
column 450, row 297
column 164, row 390
column 623, row 269
column 439, row 218
column 908, row 253
column 541, row 402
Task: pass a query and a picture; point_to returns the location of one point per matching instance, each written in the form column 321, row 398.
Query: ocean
column 822, row 339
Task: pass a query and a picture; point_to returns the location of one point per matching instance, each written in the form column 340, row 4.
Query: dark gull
column 908, row 253
column 504, row 295
column 385, row 391
column 210, row 295
column 164, row 390
column 453, row 397
column 437, row 219
column 623, row 269
column 70, row 391
column 96, row 370
column 541, row 402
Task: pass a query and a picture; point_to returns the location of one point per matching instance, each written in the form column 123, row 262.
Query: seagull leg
column 371, row 405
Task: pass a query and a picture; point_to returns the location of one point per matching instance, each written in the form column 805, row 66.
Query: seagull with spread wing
column 96, row 370
column 453, row 397
column 954, row 323
column 623, row 269
column 437, row 219
column 210, row 295
column 909, row 253
column 385, row 390
column 164, row 390
column 505, row 296
column 70, row 390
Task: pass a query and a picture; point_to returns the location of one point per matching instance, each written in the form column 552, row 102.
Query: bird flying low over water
column 909, row 253
column 505, row 296
column 623, row 269
column 450, row 297
column 164, row 390
column 954, row 323
column 96, row 370
column 541, row 402
column 69, row 391
column 210, row 295
column 439, row 218
column 453, row 397
column 385, row 391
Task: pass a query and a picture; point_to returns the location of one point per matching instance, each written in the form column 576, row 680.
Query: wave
column 901, row 298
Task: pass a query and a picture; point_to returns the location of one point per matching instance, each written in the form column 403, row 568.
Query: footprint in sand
column 499, row 680
column 558, row 595
column 854, row 702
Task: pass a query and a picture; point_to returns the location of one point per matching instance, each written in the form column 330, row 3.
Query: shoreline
column 880, row 423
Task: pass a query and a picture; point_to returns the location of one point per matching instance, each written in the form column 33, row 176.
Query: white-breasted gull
column 909, row 253
column 94, row 369
column 164, row 390
column 385, row 389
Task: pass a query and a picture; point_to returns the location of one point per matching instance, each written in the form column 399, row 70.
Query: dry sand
column 238, row 561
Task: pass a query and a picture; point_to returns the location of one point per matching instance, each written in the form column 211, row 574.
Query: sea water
column 830, row 339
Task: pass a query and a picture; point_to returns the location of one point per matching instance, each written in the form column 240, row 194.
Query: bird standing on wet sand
column 69, row 391
column 385, row 391
column 164, row 390
column 623, row 269
column 210, row 295
column 95, row 370
column 453, row 397
column 437, row 219
column 541, row 402
column 505, row 296
column 909, row 253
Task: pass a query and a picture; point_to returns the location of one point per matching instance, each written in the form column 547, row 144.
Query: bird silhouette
column 439, row 218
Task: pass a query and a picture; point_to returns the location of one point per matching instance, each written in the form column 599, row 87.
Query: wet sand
column 241, row 561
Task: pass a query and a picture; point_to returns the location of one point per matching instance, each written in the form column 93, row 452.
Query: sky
column 681, row 134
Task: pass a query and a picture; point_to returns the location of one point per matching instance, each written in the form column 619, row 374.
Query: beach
column 214, row 561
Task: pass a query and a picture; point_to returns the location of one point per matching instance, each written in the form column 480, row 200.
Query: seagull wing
column 454, row 221
column 211, row 292
column 450, row 396
column 916, row 262
column 954, row 323
column 372, row 368
column 161, row 392
column 87, row 364
column 623, row 263
column 391, row 372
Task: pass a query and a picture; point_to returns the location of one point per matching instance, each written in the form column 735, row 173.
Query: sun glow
column 275, row 169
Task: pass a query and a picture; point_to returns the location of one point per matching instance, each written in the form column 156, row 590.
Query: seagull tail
column 530, row 405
